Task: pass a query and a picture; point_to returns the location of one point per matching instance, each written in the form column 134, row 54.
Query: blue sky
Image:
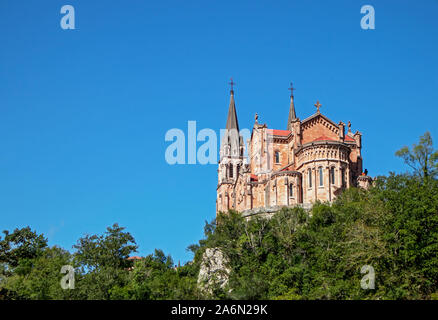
column 83, row 112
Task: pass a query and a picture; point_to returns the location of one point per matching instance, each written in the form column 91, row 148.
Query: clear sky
column 83, row 112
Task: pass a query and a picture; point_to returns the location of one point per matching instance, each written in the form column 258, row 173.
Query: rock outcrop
column 214, row 271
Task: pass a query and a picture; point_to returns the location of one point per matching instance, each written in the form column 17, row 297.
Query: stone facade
column 313, row 159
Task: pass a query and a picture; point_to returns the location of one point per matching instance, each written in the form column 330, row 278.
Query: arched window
column 237, row 170
column 231, row 171
column 321, row 177
column 343, row 177
column 291, row 190
column 332, row 175
column 277, row 157
column 310, row 177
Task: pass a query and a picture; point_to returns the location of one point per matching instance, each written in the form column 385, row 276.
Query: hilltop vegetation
column 393, row 227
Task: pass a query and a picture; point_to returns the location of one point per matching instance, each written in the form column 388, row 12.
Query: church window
column 343, row 177
column 277, row 157
column 321, row 177
column 231, row 171
column 310, row 177
column 332, row 175
column 291, row 190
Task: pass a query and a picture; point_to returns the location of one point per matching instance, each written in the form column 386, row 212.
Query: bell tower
column 231, row 158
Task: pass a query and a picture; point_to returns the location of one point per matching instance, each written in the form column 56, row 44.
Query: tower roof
column 232, row 139
column 292, row 115
column 232, row 122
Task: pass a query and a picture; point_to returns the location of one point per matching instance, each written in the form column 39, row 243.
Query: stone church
column 309, row 160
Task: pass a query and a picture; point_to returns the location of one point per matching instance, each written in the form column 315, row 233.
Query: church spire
column 292, row 115
column 232, row 122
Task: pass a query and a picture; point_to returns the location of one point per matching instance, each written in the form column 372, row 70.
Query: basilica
column 308, row 160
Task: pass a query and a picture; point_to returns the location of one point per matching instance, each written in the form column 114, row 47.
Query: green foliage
column 110, row 250
column 22, row 244
column 42, row 277
column 422, row 158
column 155, row 277
column 31, row 270
column 103, row 263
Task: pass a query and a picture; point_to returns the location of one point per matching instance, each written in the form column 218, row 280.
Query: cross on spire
column 232, row 83
column 291, row 89
column 317, row 105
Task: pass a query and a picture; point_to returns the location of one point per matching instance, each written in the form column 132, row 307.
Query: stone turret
column 364, row 181
column 341, row 131
column 231, row 162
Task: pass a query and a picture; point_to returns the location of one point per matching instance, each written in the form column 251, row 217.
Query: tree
column 110, row 250
column 18, row 249
column 155, row 278
column 103, row 263
column 422, row 158
column 21, row 244
column 410, row 226
column 42, row 279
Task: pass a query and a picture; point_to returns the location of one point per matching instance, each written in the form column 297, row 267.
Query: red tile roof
column 134, row 258
column 324, row 138
column 276, row 132
column 348, row 138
